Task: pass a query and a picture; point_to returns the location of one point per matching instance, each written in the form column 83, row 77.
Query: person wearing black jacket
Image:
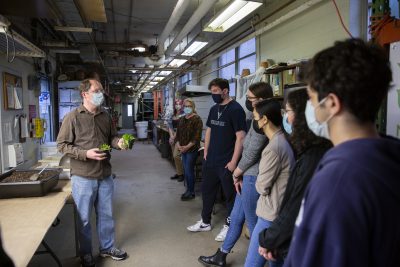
column 275, row 241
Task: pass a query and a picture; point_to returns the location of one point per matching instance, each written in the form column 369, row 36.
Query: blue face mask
column 188, row 110
column 286, row 125
column 97, row 99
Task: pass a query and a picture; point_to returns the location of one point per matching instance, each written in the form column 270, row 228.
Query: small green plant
column 105, row 147
column 128, row 140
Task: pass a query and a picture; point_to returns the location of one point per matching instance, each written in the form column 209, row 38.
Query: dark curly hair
column 219, row 82
column 302, row 137
column 358, row 73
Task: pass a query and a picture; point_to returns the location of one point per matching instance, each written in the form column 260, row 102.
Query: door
column 45, row 109
column 127, row 115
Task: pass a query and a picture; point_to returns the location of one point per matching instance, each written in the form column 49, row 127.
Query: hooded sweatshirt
column 350, row 214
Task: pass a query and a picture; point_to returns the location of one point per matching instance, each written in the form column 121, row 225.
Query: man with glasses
column 82, row 132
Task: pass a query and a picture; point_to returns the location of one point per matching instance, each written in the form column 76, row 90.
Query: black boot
column 218, row 259
column 176, row 176
column 181, row 178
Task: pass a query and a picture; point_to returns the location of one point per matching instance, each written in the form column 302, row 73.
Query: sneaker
column 176, row 176
column 115, row 254
column 222, row 234
column 181, row 178
column 187, row 196
column 199, row 227
column 88, row 261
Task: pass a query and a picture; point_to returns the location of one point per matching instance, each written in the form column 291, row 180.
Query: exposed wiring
column 341, row 20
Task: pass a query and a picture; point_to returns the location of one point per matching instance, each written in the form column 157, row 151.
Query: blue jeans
column 243, row 209
column 89, row 193
column 254, row 259
column 189, row 160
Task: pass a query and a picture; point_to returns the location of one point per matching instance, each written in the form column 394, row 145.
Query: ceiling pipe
column 176, row 15
column 200, row 12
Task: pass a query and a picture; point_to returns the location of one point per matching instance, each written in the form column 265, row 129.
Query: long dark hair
column 302, row 137
column 261, row 90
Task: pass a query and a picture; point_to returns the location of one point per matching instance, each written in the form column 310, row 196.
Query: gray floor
column 150, row 218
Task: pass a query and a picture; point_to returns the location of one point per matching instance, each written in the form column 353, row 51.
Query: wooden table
column 25, row 221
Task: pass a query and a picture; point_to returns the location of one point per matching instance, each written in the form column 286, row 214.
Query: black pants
column 212, row 178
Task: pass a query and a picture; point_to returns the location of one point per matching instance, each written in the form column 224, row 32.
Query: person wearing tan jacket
column 277, row 160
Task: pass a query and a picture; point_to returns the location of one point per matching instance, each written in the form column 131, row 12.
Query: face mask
column 249, row 105
column 97, row 99
column 319, row 129
column 286, row 125
column 256, row 128
column 217, row 98
column 188, row 110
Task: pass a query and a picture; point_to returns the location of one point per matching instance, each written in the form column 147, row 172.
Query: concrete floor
column 150, row 218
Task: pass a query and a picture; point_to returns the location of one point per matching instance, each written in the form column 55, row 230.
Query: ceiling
column 117, row 26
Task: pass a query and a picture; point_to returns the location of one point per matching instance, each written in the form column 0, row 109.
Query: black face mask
column 256, row 128
column 249, row 105
column 217, row 98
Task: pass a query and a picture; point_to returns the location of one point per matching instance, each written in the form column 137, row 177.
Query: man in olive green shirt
column 82, row 132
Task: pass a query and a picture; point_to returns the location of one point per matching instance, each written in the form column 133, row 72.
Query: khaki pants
column 178, row 160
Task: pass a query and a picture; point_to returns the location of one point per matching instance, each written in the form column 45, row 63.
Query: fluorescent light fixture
column 129, row 86
column 140, row 48
column 133, row 71
column 177, row 62
column 153, row 83
column 165, row 72
column 235, row 12
column 72, row 29
column 195, row 47
column 158, row 79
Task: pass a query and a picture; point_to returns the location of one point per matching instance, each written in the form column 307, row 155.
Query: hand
column 267, row 254
column 238, row 186
column 231, row 166
column 184, row 149
column 95, row 154
column 121, row 144
column 171, row 141
column 205, row 156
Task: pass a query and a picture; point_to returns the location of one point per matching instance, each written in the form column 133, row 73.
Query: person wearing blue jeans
column 98, row 194
column 244, row 208
column 82, row 132
column 188, row 136
column 189, row 161
column 276, row 163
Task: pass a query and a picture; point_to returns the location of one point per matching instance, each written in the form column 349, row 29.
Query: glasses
column 251, row 98
column 285, row 111
column 187, row 106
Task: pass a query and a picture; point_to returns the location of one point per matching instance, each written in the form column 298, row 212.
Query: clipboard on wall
column 12, row 92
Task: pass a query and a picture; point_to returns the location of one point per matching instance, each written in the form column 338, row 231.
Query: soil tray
column 17, row 183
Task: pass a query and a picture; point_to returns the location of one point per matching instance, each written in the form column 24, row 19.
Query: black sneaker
column 176, row 176
column 187, row 196
column 88, row 261
column 115, row 254
column 181, row 178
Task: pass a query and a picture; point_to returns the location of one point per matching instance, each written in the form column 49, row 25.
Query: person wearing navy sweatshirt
column 350, row 212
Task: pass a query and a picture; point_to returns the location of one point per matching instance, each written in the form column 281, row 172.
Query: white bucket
column 141, row 128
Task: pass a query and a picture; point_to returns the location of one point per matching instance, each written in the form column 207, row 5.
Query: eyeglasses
column 95, row 92
column 285, row 111
column 251, row 98
column 187, row 106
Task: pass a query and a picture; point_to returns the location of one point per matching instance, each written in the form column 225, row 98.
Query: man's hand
column 183, row 149
column 231, row 166
column 121, row 144
column 238, row 186
column 95, row 154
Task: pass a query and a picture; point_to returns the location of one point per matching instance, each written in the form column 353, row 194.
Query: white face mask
column 97, row 99
column 319, row 129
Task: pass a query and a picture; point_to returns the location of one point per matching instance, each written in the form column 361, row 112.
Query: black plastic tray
column 28, row 189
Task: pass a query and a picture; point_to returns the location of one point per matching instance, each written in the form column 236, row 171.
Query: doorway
column 127, row 115
column 46, row 108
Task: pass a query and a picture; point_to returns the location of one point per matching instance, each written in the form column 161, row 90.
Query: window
column 185, row 79
column 241, row 57
column 130, row 111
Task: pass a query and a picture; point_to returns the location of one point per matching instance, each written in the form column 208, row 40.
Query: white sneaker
column 222, row 234
column 199, row 227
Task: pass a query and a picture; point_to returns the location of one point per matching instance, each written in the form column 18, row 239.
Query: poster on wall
column 393, row 100
column 12, row 91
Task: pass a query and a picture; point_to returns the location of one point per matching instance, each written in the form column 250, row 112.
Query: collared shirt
column 82, row 131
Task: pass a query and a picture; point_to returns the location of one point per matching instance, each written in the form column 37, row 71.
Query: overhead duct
column 176, row 15
column 200, row 12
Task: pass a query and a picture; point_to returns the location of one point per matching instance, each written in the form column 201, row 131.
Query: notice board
column 12, row 91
